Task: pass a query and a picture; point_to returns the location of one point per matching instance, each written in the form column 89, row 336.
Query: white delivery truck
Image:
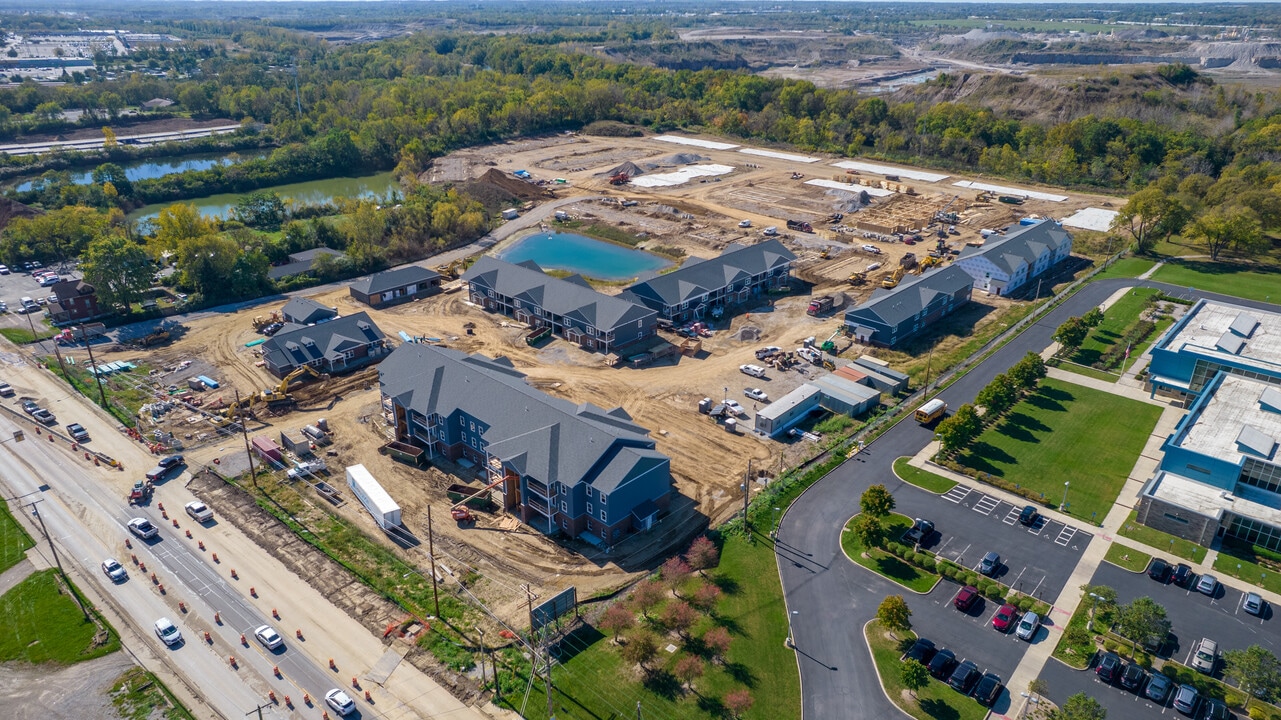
column 372, row 495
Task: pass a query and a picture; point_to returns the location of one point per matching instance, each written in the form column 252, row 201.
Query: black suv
column 920, row 530
column 1134, row 678
column 942, row 663
column 989, row 690
column 1159, row 570
column 921, row 651
column 1183, row 575
column 964, row 677
column 1029, row 516
column 1109, row 667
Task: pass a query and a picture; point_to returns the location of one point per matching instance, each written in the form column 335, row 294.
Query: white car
column 1208, row 584
column 143, row 528
column 745, row 224
column 1028, row 626
column 199, row 511
column 733, row 407
column 114, row 570
column 269, row 638
column 756, row 394
column 771, row 231
column 340, row 701
column 4, row 269
column 753, row 370
column 166, row 631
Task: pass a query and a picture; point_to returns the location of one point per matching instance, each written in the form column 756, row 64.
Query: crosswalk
column 985, row 505
column 1065, row 535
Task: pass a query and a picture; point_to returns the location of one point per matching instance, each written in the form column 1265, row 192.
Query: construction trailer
column 296, row 442
column 372, row 495
column 267, row 449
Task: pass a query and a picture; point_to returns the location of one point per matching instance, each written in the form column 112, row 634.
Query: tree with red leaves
column 646, row 595
column 703, row 554
column 738, row 702
column 617, row 619
column 679, row 616
column 706, row 597
column 689, row 669
column 717, row 640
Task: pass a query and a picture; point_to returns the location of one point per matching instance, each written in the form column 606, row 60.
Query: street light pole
column 1063, row 505
column 774, row 532
column 56, row 561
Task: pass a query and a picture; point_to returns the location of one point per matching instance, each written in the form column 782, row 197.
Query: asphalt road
column 820, row 585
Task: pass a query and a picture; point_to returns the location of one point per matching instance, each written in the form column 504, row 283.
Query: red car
column 1005, row 617
column 965, row 599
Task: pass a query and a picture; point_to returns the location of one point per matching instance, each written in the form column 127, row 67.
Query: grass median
column 1249, row 563
column 935, row 700
column 1127, row 558
column 883, row 563
column 923, row 479
column 1161, row 541
column 43, row 624
column 14, row 541
column 139, row 695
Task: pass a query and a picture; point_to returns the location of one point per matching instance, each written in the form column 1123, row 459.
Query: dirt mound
column 630, row 168
column 675, row 160
column 492, row 197
column 10, row 209
column 511, row 185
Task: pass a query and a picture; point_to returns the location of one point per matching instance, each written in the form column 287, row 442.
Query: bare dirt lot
column 80, row 690
column 708, row 463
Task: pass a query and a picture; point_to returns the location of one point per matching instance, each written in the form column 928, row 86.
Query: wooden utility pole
column 747, row 491
column 102, row 396
column 431, row 554
column 253, row 476
column 75, row 596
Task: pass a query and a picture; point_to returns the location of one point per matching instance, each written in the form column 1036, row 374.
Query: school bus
column 931, row 411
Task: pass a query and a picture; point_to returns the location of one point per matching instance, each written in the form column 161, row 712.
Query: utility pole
column 747, row 491
column 431, row 554
column 547, row 656
column 481, row 631
column 638, row 713
column 56, row 560
column 244, row 432
column 929, row 363
column 102, row 395
column 258, row 710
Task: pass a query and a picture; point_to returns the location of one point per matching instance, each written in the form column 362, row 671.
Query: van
column 27, row 302
column 156, row 474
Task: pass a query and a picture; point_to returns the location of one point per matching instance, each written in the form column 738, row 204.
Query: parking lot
column 1192, row 616
column 1035, row 559
column 19, row 284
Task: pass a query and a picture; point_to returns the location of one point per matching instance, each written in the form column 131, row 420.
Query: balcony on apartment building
column 533, row 503
column 538, row 488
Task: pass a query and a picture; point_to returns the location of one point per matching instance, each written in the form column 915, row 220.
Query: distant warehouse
column 890, row 317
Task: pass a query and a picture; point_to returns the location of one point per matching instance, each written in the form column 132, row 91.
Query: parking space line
column 986, row 505
column 1065, row 535
column 957, row 493
column 1012, row 516
column 1039, row 525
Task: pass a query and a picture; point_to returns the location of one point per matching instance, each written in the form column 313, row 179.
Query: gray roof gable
column 391, row 279
column 1021, row 246
column 327, row 340
column 913, row 295
column 542, row 436
column 571, row 297
column 306, row 311
column 697, row 278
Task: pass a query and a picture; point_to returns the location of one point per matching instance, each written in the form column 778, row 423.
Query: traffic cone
column 153, row 578
column 128, row 543
column 217, row 617
column 182, row 607
column 232, row 660
column 243, row 641
column 200, row 544
column 306, row 699
column 298, row 633
column 368, row 699
column 175, row 524
column 215, row 557
column 275, row 670
column 164, row 514
column 355, row 683
column 332, row 666
column 160, row 507
column 134, row 557
column 75, row 447
column 253, row 591
column 188, row 532
column 161, row 586
column 271, row 695
column 207, row 638
column 142, row 566
column 288, row 702
column 234, row 575
column 275, row 614
column 50, row 437
column 86, row 456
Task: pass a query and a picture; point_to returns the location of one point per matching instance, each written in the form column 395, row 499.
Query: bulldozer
column 621, row 178
column 262, row 321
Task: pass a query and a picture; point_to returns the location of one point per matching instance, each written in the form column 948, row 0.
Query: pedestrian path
column 15, row 575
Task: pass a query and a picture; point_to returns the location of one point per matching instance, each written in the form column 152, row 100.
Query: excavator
column 279, row 395
column 893, row 279
column 926, row 263
column 857, row 278
column 263, row 321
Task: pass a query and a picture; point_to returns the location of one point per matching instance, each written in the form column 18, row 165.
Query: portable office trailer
column 372, row 495
column 267, row 449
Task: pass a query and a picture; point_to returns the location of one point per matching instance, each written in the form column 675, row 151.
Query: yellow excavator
column 279, row 395
column 857, row 278
column 893, row 280
column 925, row 263
column 263, row 321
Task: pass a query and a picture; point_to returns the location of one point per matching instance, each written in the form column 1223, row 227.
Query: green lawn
column 14, row 541
column 22, row 336
column 923, row 479
column 936, row 700
column 885, row 564
column 41, row 624
column 1089, row 372
column 594, row 683
column 1164, row 542
column 139, row 695
column 1116, row 320
column 1127, row 558
column 1244, row 281
column 1126, row 267
column 1246, row 563
column 1076, row 644
column 1045, row 440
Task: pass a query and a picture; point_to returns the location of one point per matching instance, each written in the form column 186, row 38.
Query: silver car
column 113, row 570
column 1028, row 626
column 1208, row 584
column 167, row 632
column 1253, row 604
column 268, row 636
column 1205, row 656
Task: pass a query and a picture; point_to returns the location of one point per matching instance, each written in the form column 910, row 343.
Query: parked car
column 171, row 461
column 942, row 663
column 1004, row 618
column 920, row 530
column 269, row 638
column 29, row 407
column 990, row 563
column 6, row 390
column 1183, row 575
column 1109, row 667
column 754, row 370
column 199, row 511
column 49, row 280
column 1159, row 570
column 340, row 702
column 44, row 416
column 1186, row 699
column 964, row 677
column 1133, row 677
column 1252, row 604
column 988, row 690
column 1029, row 516
column 756, row 394
column 4, row 269
column 78, row 432
column 1205, row 656
column 167, row 632
column 1159, row 687
column 733, row 407
column 1028, row 626
column 966, row 598
column 744, row 223
column 114, row 570
column 1208, row 585
column 1214, row 709
column 272, row 329
column 143, row 528
column 921, row 651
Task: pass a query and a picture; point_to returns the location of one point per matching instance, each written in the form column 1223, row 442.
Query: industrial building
column 832, row 392
column 892, row 316
column 1215, row 337
column 560, row 467
column 570, row 307
column 332, row 347
column 707, row 288
column 1006, row 263
column 393, row 287
column 1220, row 475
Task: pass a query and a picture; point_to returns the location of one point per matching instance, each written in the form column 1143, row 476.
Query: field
column 936, row 700
column 139, row 695
column 1253, row 565
column 1039, row 444
column 44, row 625
column 14, row 541
column 1252, row 282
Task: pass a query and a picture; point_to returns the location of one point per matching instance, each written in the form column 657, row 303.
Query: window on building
column 1255, row 532
column 564, row 523
column 602, row 514
column 589, row 509
column 462, row 421
column 564, row 506
column 589, row 492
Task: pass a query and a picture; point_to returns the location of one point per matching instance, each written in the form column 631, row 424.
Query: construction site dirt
column 708, row 463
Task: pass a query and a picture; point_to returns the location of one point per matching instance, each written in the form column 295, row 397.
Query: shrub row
column 1135, row 335
column 990, row 589
column 990, row 479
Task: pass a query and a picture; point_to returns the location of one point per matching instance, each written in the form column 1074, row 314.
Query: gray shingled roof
column 913, row 295
column 326, row 340
column 544, row 437
column 571, row 297
column 1021, row 246
column 699, row 277
column 392, row 279
column 301, row 262
column 306, row 311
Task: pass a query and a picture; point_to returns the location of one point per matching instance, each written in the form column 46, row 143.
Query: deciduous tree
column 678, row 616
column 688, row 669
column 894, row 614
column 675, row 571
column 914, row 675
column 703, row 554
column 1221, row 228
column 118, row 268
column 641, row 649
column 617, row 619
column 1081, row 707
column 717, row 641
column 647, row 594
column 877, row 501
column 1142, row 619
column 1143, row 214
column 706, row 597
column 738, row 702
column 1255, row 669
column 1071, row 334
column 956, row 431
column 868, row 530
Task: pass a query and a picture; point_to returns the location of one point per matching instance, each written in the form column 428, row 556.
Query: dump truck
column 800, row 226
column 72, row 335
column 818, row 306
